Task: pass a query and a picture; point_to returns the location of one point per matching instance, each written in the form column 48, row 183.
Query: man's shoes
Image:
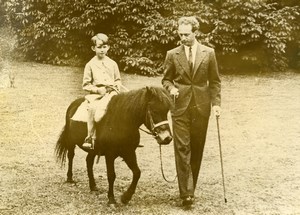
column 88, row 143
column 187, row 201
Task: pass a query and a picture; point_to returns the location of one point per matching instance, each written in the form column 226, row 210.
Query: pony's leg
column 90, row 164
column 130, row 160
column 111, row 176
column 71, row 154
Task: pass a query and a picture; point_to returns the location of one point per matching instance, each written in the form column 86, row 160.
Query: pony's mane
column 162, row 95
column 134, row 102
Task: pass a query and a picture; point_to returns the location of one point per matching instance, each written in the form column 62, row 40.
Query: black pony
column 117, row 134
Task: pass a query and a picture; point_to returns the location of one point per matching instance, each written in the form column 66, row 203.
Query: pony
column 117, row 134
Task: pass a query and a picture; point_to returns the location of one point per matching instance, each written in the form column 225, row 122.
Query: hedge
column 247, row 35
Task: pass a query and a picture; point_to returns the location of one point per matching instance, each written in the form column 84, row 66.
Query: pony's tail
column 61, row 148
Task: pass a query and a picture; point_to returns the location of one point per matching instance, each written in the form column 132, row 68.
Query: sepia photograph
column 151, row 107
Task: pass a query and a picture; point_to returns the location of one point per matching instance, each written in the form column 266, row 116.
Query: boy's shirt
column 100, row 72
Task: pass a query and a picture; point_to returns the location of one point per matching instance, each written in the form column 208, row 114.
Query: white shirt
column 194, row 50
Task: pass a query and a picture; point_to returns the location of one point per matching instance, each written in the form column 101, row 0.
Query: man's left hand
column 217, row 110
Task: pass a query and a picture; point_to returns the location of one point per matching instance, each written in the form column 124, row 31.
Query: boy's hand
column 109, row 89
column 101, row 90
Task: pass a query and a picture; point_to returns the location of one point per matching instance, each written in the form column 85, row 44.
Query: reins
column 161, row 160
column 153, row 133
column 147, row 132
column 162, row 169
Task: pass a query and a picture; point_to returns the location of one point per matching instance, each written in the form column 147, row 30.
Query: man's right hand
column 174, row 92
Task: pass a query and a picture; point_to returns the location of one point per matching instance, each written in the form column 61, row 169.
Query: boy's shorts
column 97, row 104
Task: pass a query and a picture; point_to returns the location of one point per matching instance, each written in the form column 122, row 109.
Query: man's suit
column 198, row 91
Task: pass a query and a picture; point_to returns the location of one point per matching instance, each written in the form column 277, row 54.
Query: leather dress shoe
column 187, row 201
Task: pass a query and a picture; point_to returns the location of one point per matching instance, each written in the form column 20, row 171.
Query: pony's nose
column 164, row 139
column 167, row 140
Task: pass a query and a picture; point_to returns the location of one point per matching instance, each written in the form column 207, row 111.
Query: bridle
column 153, row 125
column 153, row 132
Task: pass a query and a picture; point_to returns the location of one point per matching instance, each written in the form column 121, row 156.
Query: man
column 191, row 76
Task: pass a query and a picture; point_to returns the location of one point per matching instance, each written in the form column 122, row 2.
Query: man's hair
column 189, row 20
column 101, row 37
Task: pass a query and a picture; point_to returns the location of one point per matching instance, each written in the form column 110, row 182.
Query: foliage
column 246, row 34
column 2, row 14
column 59, row 32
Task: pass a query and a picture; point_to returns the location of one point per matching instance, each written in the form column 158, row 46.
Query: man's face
column 186, row 35
column 100, row 49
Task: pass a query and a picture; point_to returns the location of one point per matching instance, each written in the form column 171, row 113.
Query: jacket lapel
column 183, row 62
column 200, row 53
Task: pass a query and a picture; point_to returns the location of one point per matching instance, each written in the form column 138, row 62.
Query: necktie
column 191, row 60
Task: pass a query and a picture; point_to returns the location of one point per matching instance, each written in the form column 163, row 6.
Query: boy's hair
column 100, row 36
column 189, row 20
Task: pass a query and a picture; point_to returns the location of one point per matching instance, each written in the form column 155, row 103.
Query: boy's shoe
column 88, row 143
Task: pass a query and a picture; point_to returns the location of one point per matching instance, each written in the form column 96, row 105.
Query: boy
column 102, row 80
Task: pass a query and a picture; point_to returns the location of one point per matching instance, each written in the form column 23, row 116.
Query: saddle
column 101, row 102
column 81, row 113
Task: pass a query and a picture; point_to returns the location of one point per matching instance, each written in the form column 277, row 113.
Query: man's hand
column 217, row 110
column 174, row 92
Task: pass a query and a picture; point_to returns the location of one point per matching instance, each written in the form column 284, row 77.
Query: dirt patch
column 260, row 138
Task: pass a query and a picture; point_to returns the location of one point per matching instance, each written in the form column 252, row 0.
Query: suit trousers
column 189, row 132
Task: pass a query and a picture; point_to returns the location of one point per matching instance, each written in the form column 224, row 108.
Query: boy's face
column 100, row 49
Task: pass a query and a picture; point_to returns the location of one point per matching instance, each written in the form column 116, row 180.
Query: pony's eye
column 156, row 112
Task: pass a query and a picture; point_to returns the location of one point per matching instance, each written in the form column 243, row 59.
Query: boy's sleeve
column 88, row 80
column 117, row 76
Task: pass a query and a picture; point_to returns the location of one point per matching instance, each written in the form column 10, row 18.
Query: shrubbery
column 245, row 34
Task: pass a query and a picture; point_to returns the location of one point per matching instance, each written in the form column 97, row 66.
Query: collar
column 194, row 47
column 194, row 50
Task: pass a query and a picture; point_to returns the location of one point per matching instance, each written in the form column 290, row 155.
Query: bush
column 52, row 32
column 2, row 14
column 261, row 28
column 254, row 33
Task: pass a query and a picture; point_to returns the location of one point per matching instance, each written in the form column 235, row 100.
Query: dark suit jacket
column 203, row 84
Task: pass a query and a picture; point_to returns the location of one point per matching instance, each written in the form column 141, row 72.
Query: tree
column 250, row 34
column 59, row 32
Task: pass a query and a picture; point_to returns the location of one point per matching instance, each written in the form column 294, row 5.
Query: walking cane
column 222, row 169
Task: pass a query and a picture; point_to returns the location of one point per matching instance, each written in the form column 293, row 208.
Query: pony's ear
column 149, row 92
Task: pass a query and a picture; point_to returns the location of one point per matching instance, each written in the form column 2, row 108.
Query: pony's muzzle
column 164, row 137
column 162, row 132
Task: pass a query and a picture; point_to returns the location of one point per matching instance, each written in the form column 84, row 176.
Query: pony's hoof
column 125, row 199
column 95, row 188
column 71, row 181
column 112, row 205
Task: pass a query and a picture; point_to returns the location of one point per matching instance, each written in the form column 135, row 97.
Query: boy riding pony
column 102, row 80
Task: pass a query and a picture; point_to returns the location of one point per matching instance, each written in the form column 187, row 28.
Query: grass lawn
column 260, row 139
